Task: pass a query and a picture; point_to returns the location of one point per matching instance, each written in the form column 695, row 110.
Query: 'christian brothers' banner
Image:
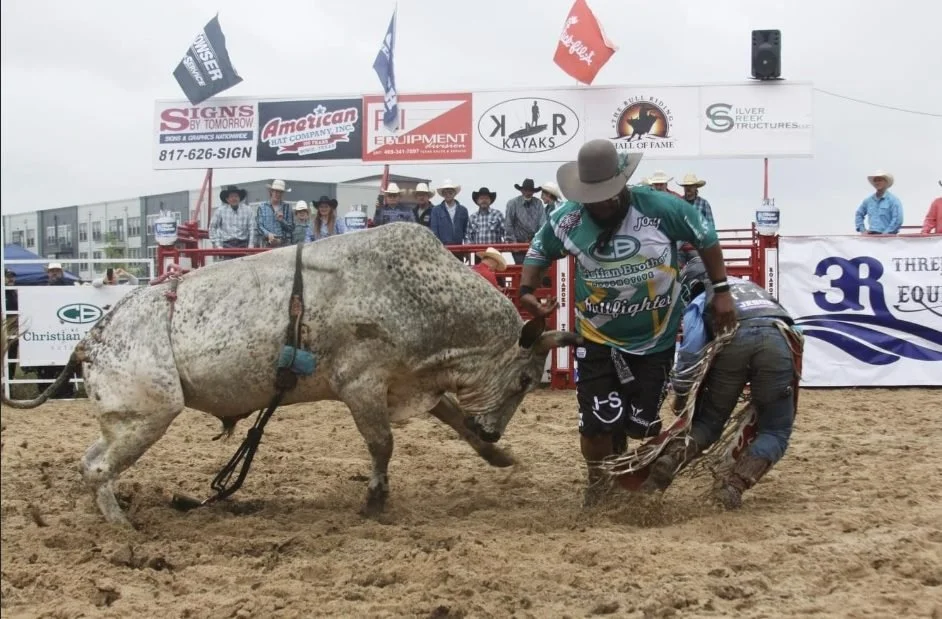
column 206, row 70
column 870, row 308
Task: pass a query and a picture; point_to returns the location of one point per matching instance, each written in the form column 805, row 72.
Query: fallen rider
column 764, row 352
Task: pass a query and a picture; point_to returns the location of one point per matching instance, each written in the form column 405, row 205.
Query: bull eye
column 525, row 381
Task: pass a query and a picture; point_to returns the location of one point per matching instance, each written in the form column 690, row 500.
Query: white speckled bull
column 396, row 323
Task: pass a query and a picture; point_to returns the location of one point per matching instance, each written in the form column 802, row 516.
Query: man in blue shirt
column 883, row 210
column 760, row 353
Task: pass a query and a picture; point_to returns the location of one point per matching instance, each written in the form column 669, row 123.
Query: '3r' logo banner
column 870, row 308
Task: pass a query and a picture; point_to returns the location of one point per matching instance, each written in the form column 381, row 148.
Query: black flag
column 206, row 70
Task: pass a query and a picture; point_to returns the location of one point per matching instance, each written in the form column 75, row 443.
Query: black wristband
column 525, row 290
column 718, row 288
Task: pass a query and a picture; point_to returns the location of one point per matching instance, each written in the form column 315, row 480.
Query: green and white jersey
column 627, row 295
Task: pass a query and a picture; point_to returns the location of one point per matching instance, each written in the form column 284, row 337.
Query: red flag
column 583, row 48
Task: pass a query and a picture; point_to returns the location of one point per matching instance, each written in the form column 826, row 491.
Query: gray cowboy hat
column 599, row 173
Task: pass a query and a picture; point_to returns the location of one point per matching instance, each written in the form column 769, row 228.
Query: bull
column 397, row 324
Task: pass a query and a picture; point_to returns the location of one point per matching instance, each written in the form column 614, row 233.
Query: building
column 124, row 229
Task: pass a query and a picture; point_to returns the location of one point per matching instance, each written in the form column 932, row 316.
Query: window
column 65, row 234
column 152, row 218
column 83, row 232
column 30, row 238
column 97, row 267
column 17, row 237
column 50, row 235
column 83, row 256
column 116, row 230
column 152, row 252
column 96, row 231
column 134, row 226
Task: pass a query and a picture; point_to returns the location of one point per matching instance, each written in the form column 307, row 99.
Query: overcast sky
column 79, row 80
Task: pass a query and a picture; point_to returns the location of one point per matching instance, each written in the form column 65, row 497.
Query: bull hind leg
column 366, row 398
column 125, row 437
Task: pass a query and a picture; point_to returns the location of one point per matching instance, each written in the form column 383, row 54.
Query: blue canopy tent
column 31, row 274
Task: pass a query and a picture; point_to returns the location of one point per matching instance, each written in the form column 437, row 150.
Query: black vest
column 425, row 218
column 752, row 301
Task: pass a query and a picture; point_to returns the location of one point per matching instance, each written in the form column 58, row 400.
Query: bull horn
column 556, row 339
column 531, row 331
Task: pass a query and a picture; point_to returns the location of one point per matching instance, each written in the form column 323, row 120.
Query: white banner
column 56, row 318
column 490, row 126
column 760, row 120
column 870, row 308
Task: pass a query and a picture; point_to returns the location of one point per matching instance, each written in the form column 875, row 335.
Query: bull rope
column 285, row 380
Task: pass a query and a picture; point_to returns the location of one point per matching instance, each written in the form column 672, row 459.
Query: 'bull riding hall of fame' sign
column 493, row 126
column 870, row 308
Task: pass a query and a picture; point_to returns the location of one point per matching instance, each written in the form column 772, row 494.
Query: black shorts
column 606, row 406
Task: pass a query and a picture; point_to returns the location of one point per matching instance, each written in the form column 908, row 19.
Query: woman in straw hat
column 624, row 241
column 882, row 210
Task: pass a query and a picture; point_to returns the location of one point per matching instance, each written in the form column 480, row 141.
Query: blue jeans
column 760, row 355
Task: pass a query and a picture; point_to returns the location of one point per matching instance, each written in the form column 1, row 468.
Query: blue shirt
column 695, row 335
column 884, row 214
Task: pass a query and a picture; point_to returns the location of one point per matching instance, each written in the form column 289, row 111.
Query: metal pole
column 765, row 179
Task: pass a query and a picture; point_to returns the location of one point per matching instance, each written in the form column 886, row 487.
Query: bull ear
column 556, row 339
column 531, row 331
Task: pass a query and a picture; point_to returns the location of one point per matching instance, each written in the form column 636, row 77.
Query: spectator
column 274, row 220
column 692, row 185
column 326, row 223
column 883, row 210
column 525, row 215
column 551, row 196
column 659, row 181
column 302, row 223
column 233, row 226
column 55, row 277
column 491, row 262
column 423, row 205
column 486, row 226
column 450, row 218
column 112, row 278
column 13, row 328
column 933, row 221
column 388, row 209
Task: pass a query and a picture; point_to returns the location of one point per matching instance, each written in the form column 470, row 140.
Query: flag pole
column 385, row 181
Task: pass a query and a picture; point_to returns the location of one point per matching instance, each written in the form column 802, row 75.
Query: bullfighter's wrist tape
column 719, row 287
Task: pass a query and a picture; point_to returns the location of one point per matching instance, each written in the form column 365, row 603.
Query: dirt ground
column 848, row 525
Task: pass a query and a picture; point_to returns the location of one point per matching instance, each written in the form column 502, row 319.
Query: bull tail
column 63, row 377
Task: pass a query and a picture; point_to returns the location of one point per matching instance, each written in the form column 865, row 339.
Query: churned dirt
column 848, row 525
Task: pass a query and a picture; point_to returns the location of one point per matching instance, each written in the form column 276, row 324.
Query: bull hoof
column 375, row 503
column 495, row 456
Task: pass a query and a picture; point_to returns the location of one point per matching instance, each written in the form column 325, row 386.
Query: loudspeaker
column 766, row 54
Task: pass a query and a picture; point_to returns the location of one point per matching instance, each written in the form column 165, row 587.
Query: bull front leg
column 366, row 398
column 447, row 412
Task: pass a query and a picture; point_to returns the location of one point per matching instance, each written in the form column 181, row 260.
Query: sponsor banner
column 56, row 318
column 870, row 308
column 659, row 122
column 310, row 130
column 215, row 135
column 764, row 120
column 528, row 126
column 521, row 125
column 431, row 128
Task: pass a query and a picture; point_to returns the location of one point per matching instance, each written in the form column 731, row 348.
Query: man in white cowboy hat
column 626, row 292
column 525, row 215
column 55, row 275
column 388, row 208
column 274, row 219
column 423, row 204
column 302, row 223
column 551, row 196
column 659, row 181
column 882, row 210
column 233, row 222
column 486, row 225
column 491, row 262
column 692, row 185
column 449, row 219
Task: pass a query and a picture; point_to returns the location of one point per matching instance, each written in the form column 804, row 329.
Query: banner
column 56, row 318
column 496, row 126
column 385, row 67
column 206, row 69
column 870, row 308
